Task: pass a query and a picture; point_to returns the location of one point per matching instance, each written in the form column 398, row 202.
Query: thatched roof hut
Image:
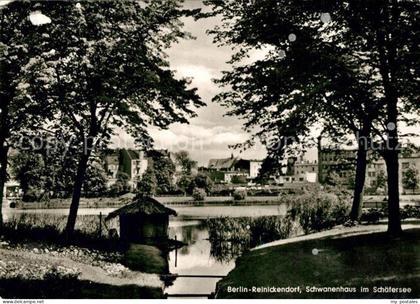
column 142, row 205
column 143, row 221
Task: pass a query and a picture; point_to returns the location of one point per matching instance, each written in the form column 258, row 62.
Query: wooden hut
column 144, row 221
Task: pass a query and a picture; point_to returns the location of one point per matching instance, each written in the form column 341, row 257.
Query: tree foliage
column 29, row 170
column 203, row 181
column 43, row 175
column 164, row 170
column 19, row 43
column 95, row 184
column 107, row 69
column 121, row 186
column 410, row 179
column 184, row 160
column 184, row 184
column 340, row 65
column 148, row 185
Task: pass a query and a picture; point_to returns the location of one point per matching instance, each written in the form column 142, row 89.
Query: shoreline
column 117, row 202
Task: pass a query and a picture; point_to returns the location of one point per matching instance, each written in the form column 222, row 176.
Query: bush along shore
column 230, row 237
column 309, row 212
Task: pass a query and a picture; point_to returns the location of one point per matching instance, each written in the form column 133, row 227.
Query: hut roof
column 142, row 205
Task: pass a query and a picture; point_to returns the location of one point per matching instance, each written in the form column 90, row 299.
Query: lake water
column 189, row 227
column 197, row 258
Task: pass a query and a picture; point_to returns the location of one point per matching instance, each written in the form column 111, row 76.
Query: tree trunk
column 88, row 146
column 363, row 139
column 387, row 67
column 77, row 192
column 391, row 155
column 394, row 220
column 4, row 130
column 4, row 134
column 3, row 177
column 356, row 209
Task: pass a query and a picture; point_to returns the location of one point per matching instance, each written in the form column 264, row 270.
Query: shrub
column 239, row 195
column 267, row 192
column 319, row 211
column 199, row 194
column 238, row 179
column 204, row 182
column 409, row 211
column 49, row 226
column 372, row 215
column 33, row 194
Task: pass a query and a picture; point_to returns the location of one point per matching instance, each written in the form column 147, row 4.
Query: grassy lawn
column 370, row 261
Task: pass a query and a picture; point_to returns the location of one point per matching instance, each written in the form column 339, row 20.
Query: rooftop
column 142, row 205
column 223, row 163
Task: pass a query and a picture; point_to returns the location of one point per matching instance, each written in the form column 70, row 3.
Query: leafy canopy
column 323, row 66
column 105, row 68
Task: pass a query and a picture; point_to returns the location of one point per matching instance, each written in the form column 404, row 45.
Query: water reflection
column 197, row 258
column 200, row 257
column 225, row 252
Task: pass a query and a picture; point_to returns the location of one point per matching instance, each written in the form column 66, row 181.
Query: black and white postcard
column 209, row 149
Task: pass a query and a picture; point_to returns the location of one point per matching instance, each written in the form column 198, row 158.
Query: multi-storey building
column 131, row 162
column 378, row 168
column 335, row 161
column 299, row 171
column 343, row 163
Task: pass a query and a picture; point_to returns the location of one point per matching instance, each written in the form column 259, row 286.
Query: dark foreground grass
column 354, row 262
column 73, row 289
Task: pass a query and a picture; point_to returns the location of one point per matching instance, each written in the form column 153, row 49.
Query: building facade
column 234, row 170
column 376, row 171
column 299, row 172
column 132, row 163
column 333, row 161
column 342, row 162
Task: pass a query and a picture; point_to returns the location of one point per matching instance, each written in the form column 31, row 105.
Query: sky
column 210, row 134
